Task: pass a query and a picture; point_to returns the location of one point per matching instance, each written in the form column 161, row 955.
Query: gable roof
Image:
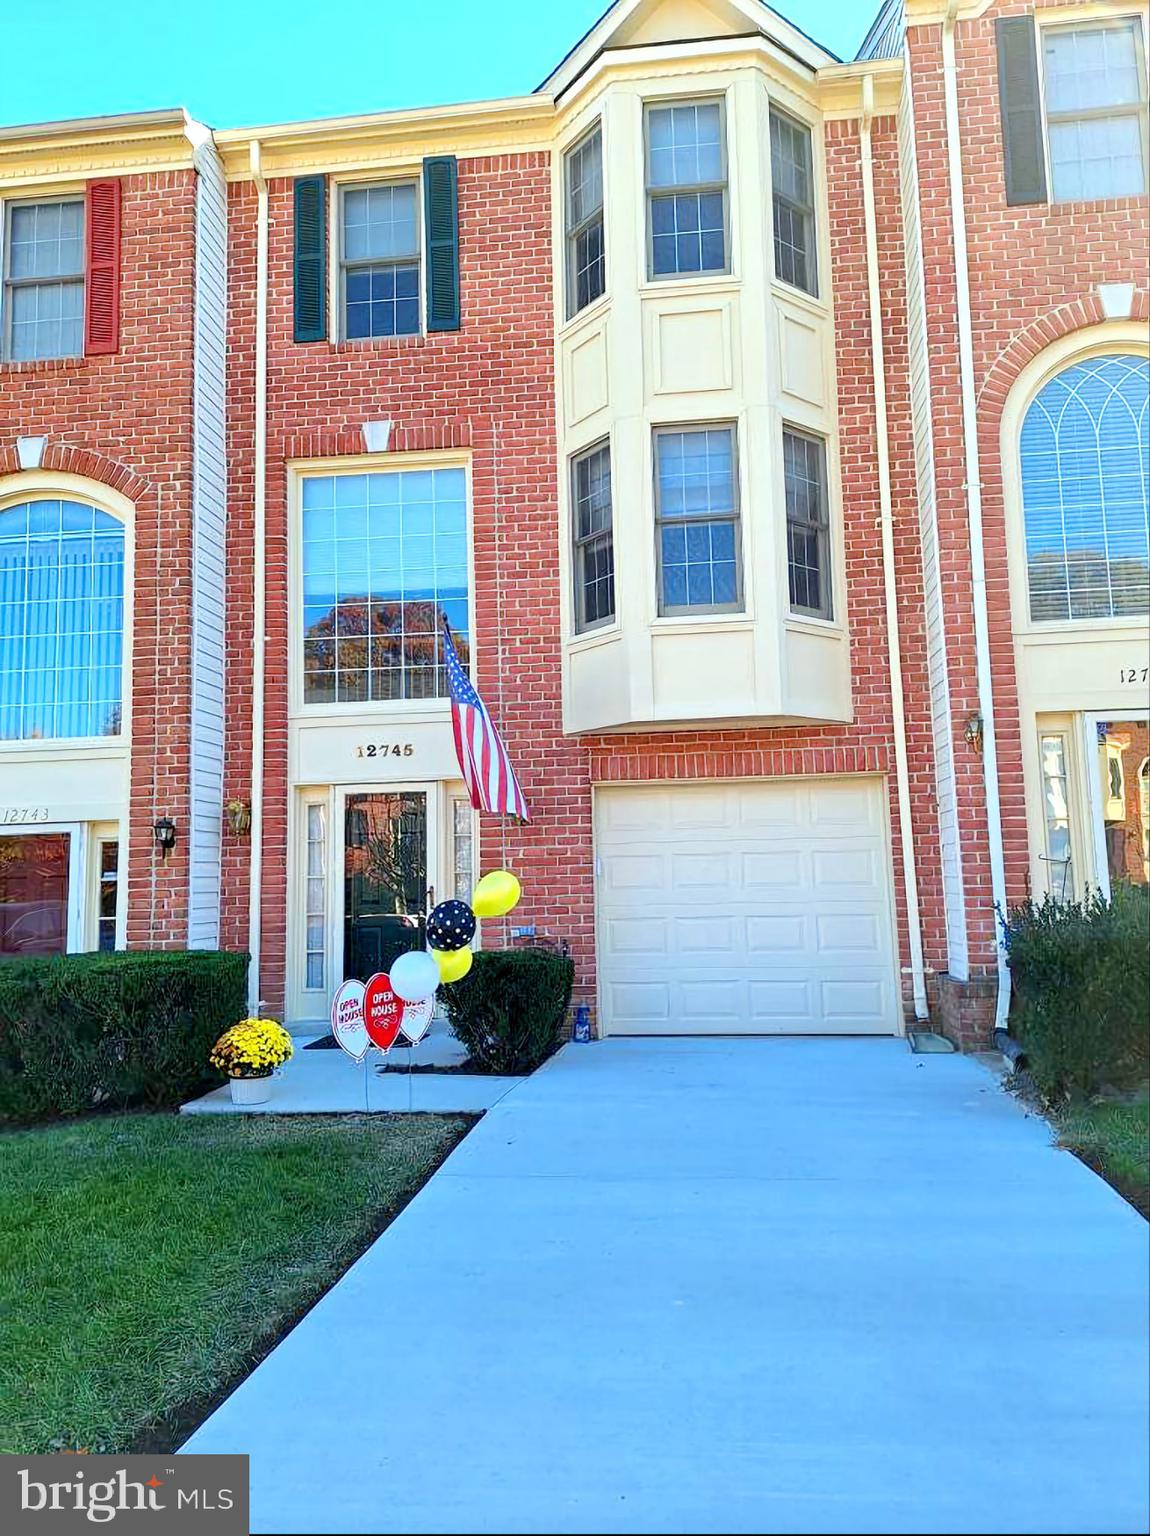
column 746, row 18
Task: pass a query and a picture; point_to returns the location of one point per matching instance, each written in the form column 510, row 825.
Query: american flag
column 483, row 759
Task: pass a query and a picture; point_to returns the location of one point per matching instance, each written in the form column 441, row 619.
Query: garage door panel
column 752, row 907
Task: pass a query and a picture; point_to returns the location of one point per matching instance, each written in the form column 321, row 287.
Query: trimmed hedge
column 83, row 1032
column 510, row 1009
column 1081, row 972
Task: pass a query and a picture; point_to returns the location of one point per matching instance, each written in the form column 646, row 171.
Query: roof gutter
column 886, row 518
column 974, row 502
column 259, row 572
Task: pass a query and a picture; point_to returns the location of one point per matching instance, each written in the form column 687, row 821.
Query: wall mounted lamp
column 164, row 831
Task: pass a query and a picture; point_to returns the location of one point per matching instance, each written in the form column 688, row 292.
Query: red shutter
column 102, row 269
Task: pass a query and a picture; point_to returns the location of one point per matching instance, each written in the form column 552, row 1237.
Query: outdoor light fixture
column 164, row 831
column 973, row 731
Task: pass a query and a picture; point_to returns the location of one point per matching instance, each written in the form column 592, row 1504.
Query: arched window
column 61, row 621
column 1085, row 484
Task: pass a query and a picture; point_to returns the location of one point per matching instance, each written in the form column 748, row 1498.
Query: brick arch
column 1077, row 315
column 84, row 462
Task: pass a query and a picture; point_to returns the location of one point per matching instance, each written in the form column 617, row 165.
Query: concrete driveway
column 720, row 1286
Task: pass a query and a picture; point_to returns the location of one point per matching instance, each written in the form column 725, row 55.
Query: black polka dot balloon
column 451, row 925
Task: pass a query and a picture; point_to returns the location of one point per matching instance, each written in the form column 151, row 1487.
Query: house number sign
column 386, row 749
column 1133, row 674
column 22, row 814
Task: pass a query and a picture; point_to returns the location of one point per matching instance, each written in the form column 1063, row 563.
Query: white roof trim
column 759, row 16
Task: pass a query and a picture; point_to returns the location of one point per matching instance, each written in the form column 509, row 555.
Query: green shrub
column 81, row 1032
column 1081, row 972
column 511, row 1008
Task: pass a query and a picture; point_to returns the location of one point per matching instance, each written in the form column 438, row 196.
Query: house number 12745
column 385, row 749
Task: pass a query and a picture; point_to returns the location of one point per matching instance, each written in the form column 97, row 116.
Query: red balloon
column 382, row 1012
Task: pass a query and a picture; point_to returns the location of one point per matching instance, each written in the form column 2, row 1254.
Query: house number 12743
column 385, row 749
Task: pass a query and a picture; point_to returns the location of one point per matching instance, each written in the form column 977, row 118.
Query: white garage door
column 745, row 908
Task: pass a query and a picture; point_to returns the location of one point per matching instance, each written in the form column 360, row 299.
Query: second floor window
column 793, row 198
column 594, row 546
column 808, row 524
column 1094, row 79
column 43, row 299
column 586, row 272
column 379, row 260
column 697, row 518
column 686, row 189
column 384, row 558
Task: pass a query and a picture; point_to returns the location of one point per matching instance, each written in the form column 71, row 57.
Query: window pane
column 1085, row 461
column 696, row 472
column 1097, row 157
column 61, row 621
column 46, row 240
column 1123, row 771
column 463, row 865
column 34, row 894
column 792, row 182
column 685, row 145
column 315, row 904
column 384, row 558
column 807, row 508
column 1055, row 799
column 1093, row 66
column 590, row 275
column 698, row 565
column 380, row 222
column 585, row 180
column 47, row 320
column 382, row 301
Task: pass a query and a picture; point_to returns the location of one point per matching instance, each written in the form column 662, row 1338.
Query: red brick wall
column 126, row 420
column 1033, row 275
column 489, row 387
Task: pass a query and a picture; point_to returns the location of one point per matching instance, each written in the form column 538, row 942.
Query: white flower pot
column 251, row 1090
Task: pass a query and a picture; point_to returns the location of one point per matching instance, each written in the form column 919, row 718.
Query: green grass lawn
column 1114, row 1138
column 146, row 1261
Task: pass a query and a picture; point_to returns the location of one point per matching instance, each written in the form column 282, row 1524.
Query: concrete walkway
column 725, row 1286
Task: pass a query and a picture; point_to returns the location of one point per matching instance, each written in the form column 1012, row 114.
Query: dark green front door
column 385, row 880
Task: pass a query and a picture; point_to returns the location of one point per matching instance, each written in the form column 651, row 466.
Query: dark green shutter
column 309, row 264
column 1021, row 105
column 441, row 214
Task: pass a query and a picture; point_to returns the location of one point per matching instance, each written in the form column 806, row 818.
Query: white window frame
column 650, row 192
column 393, row 709
column 338, row 265
column 1055, row 23
column 703, row 611
column 7, row 283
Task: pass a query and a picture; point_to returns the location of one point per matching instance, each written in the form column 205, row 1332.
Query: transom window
column 379, row 260
column 808, row 523
column 1094, row 80
column 61, row 621
column 586, row 271
column 43, row 297
column 793, row 198
column 697, row 512
column 686, row 189
column 594, row 543
column 384, row 557
column 1085, row 460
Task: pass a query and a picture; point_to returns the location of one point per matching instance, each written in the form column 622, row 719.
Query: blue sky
column 237, row 62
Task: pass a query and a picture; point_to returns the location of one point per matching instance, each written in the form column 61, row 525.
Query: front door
column 386, row 894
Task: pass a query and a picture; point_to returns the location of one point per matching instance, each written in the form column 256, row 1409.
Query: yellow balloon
column 496, row 894
column 452, row 963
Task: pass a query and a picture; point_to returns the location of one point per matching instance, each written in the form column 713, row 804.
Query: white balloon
column 347, row 1023
column 414, row 976
column 417, row 1019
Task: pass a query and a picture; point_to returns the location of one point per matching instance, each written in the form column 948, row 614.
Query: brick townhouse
column 772, row 431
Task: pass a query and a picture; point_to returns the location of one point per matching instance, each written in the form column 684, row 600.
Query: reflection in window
column 1085, row 458
column 315, row 904
column 384, row 556
column 463, row 860
column 808, row 523
column 586, row 270
column 1055, row 801
column 1123, row 746
column 61, row 621
column 793, row 200
column 107, row 894
column 34, row 894
column 594, row 544
column 1095, row 110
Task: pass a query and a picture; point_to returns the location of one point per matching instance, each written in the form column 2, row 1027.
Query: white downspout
column 894, row 650
column 259, row 565
column 974, row 502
